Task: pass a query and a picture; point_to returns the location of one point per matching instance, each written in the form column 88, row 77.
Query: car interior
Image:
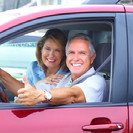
column 99, row 31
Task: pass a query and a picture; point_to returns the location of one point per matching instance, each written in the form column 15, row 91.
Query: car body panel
column 129, row 8
column 91, row 8
column 50, row 20
column 131, row 117
column 73, row 117
column 130, row 55
column 58, row 119
column 129, row 16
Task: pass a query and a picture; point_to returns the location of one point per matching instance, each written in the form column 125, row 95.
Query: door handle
column 109, row 127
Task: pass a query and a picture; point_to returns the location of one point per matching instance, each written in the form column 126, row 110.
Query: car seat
column 103, row 51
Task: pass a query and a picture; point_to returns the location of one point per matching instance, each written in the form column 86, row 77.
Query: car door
column 129, row 15
column 108, row 116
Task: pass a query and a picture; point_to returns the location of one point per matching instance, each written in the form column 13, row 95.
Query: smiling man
column 81, row 85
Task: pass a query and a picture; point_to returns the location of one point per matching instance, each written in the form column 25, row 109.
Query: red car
column 111, row 28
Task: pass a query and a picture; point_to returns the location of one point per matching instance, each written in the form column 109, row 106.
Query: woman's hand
column 52, row 79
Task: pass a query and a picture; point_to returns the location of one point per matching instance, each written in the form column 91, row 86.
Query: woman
column 50, row 65
column 50, row 53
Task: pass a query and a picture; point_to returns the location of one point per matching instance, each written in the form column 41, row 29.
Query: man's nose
column 76, row 57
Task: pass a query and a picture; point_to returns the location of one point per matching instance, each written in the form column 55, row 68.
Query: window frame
column 115, row 99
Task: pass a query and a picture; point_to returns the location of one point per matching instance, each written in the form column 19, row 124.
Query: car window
column 17, row 53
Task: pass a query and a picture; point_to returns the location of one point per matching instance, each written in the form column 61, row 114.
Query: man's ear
column 93, row 58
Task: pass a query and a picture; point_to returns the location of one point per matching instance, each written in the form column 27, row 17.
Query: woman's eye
column 57, row 50
column 47, row 48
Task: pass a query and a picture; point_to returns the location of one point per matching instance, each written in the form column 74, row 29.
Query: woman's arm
column 10, row 83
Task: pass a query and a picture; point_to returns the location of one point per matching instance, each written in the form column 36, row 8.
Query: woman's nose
column 51, row 53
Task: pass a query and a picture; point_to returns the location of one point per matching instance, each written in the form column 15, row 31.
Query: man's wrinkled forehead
column 78, row 45
column 72, row 43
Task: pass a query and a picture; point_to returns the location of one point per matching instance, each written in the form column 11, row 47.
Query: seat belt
column 106, row 61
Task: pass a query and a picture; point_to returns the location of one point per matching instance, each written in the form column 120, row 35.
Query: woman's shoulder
column 61, row 71
column 35, row 70
column 34, row 65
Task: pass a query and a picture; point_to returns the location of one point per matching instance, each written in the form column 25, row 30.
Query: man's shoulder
column 96, row 81
column 92, row 77
column 96, row 78
column 92, row 74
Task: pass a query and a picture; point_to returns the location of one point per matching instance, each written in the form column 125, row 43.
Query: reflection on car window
column 16, row 54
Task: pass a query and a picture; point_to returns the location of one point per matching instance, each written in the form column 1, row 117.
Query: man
column 82, row 85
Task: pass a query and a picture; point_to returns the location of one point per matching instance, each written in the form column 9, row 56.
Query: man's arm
column 30, row 96
column 10, row 83
column 66, row 95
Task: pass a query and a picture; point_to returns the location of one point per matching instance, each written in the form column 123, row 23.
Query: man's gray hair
column 84, row 37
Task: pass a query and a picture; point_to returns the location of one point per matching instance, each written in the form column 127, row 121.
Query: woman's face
column 52, row 54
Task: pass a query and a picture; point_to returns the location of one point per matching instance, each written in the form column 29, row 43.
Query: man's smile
column 75, row 65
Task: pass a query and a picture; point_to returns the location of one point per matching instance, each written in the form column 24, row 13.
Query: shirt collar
column 85, row 75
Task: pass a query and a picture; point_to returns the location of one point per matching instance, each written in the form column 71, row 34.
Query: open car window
column 18, row 52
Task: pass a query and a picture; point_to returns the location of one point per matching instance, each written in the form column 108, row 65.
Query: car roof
column 100, row 1
column 44, row 12
column 129, row 8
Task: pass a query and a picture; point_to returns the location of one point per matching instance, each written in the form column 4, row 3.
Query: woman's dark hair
column 59, row 37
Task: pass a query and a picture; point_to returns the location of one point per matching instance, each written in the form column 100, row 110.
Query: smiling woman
column 50, row 53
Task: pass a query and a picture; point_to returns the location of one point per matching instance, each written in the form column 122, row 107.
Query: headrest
column 103, row 50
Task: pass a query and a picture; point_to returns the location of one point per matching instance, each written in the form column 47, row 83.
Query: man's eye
column 70, row 52
column 82, row 53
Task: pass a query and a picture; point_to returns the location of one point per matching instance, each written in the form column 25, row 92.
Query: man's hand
column 29, row 95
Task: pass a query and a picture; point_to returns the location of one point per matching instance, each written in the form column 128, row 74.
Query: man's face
column 79, row 58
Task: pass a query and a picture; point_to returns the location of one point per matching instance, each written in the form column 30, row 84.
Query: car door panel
column 75, row 118
column 131, row 118
column 72, row 120
column 130, row 61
